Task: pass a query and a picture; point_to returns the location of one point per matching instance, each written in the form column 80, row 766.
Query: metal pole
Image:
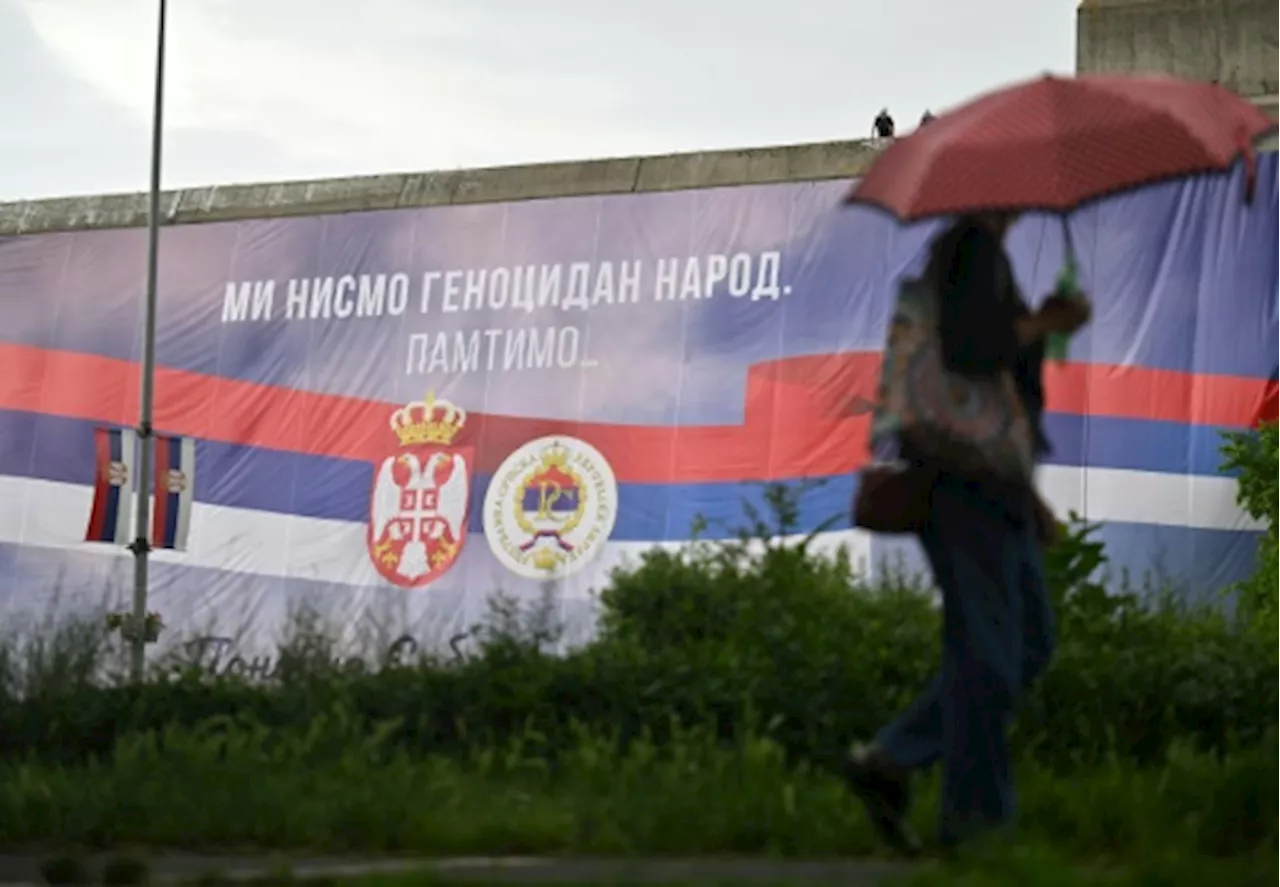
column 1069, row 255
column 141, row 546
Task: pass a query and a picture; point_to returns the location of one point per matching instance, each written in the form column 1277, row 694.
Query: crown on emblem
column 555, row 456
column 429, row 421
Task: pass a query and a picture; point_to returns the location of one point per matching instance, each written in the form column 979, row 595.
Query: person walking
column 983, row 546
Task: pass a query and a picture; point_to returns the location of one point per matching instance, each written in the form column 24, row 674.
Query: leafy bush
column 1254, row 455
column 746, row 638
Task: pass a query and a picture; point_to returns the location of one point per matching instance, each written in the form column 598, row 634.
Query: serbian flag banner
column 113, row 483
column 175, row 491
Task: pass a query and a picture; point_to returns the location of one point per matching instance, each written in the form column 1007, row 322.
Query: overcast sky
column 287, row 89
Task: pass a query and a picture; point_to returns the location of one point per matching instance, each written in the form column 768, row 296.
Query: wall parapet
column 671, row 172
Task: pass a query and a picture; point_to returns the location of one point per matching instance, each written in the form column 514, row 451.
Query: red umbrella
column 1055, row 143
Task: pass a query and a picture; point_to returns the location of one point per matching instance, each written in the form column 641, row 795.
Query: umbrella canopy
column 1055, row 143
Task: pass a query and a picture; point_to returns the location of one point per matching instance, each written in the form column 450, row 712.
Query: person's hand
column 1064, row 314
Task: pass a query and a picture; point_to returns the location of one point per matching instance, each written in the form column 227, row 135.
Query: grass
column 345, row 794
column 232, row 786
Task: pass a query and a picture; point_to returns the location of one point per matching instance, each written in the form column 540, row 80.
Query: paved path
column 22, row 870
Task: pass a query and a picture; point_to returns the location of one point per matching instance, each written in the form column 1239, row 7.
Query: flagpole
column 141, row 546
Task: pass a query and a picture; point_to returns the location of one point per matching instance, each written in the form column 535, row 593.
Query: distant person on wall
column 984, row 548
column 927, row 117
column 882, row 127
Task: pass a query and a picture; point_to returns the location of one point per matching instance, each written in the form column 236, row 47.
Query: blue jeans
column 997, row 638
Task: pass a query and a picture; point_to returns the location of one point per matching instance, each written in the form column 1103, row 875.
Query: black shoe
column 885, row 790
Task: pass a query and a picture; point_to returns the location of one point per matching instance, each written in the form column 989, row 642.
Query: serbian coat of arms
column 421, row 494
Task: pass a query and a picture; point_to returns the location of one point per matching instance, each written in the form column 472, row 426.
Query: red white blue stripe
column 174, row 484
column 110, row 519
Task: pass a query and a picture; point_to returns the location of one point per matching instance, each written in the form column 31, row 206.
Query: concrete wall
column 827, row 160
column 709, row 169
column 1230, row 41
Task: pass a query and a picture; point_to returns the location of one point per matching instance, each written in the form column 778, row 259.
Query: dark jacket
column 979, row 304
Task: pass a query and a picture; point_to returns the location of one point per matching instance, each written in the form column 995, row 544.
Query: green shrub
column 1255, row 456
column 745, row 638
column 773, row 630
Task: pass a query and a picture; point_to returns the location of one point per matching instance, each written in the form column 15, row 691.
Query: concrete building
column 1232, row 42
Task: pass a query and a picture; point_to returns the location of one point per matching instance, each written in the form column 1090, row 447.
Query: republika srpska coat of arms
column 421, row 495
column 550, row 508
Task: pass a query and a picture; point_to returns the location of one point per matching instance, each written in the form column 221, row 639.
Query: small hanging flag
column 175, row 491
column 111, row 519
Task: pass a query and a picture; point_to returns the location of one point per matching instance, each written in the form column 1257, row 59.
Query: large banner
column 400, row 413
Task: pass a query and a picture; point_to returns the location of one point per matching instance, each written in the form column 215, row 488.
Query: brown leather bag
column 892, row 497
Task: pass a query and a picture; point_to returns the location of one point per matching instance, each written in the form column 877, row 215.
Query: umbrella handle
column 1057, row 346
column 1068, row 281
